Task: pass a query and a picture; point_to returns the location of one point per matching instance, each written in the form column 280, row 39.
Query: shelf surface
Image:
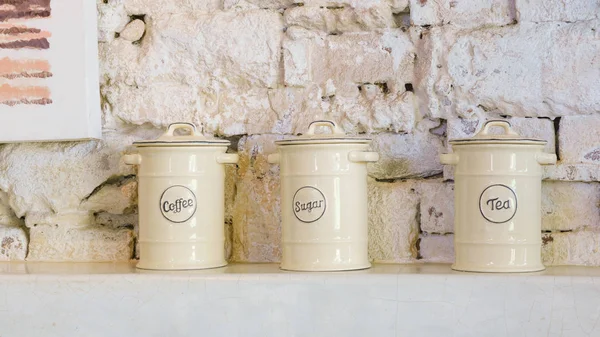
column 116, row 299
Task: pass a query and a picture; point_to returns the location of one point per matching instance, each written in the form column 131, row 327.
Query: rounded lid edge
column 520, row 141
column 337, row 136
column 508, row 137
column 300, row 141
column 194, row 138
column 157, row 143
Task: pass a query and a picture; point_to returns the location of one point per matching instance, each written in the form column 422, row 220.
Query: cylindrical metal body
column 181, row 205
column 324, row 205
column 497, row 196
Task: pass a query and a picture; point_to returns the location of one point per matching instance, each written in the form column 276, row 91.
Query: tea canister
column 181, row 199
column 324, row 199
column 497, row 196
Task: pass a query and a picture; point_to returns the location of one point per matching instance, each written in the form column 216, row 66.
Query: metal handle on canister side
column 546, row 158
column 363, row 157
column 273, row 158
column 228, row 158
column 449, row 158
column 132, row 159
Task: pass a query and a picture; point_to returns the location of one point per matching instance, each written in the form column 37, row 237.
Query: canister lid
column 194, row 138
column 508, row 137
column 337, row 136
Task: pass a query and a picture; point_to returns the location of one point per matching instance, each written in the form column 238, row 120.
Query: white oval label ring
column 178, row 204
column 498, row 203
column 309, row 204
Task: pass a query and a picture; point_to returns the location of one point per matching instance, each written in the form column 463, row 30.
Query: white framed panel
column 49, row 86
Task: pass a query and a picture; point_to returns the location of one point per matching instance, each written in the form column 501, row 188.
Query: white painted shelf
column 115, row 299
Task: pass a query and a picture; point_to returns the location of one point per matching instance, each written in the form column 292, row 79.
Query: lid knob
column 191, row 128
column 335, row 129
column 498, row 123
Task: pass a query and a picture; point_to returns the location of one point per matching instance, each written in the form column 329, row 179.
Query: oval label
column 178, row 204
column 498, row 203
column 309, row 204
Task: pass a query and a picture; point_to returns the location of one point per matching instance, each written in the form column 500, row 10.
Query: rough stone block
column 255, row 4
column 51, row 243
column 157, row 8
column 297, row 61
column 351, row 3
column 572, row 172
column 64, row 219
column 461, row 13
column 408, row 155
column 339, row 63
column 540, row 128
column 436, row 206
column 436, row 248
column 158, row 103
column 465, row 72
column 241, row 112
column 240, row 48
column 7, row 215
column 113, row 198
column 188, row 64
column 56, row 177
column 208, row 51
column 259, row 111
column 118, row 60
column 338, row 20
column 13, row 243
column 557, row 10
column 256, row 213
column 393, row 223
column 112, row 18
column 129, row 220
column 231, row 112
column 374, row 110
column 579, row 139
column 571, row 248
column 570, row 205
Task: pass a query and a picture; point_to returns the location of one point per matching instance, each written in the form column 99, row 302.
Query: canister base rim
column 531, row 269
column 179, row 267
column 324, row 269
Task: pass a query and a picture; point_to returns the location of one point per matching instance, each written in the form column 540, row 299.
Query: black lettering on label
column 309, row 204
column 178, row 205
column 496, row 204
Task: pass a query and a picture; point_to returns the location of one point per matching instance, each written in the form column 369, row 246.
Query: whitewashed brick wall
column 411, row 74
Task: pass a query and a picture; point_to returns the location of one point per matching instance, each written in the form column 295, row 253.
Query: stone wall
column 412, row 74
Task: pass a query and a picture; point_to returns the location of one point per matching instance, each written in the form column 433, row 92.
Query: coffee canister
column 324, row 199
column 181, row 199
column 497, row 197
